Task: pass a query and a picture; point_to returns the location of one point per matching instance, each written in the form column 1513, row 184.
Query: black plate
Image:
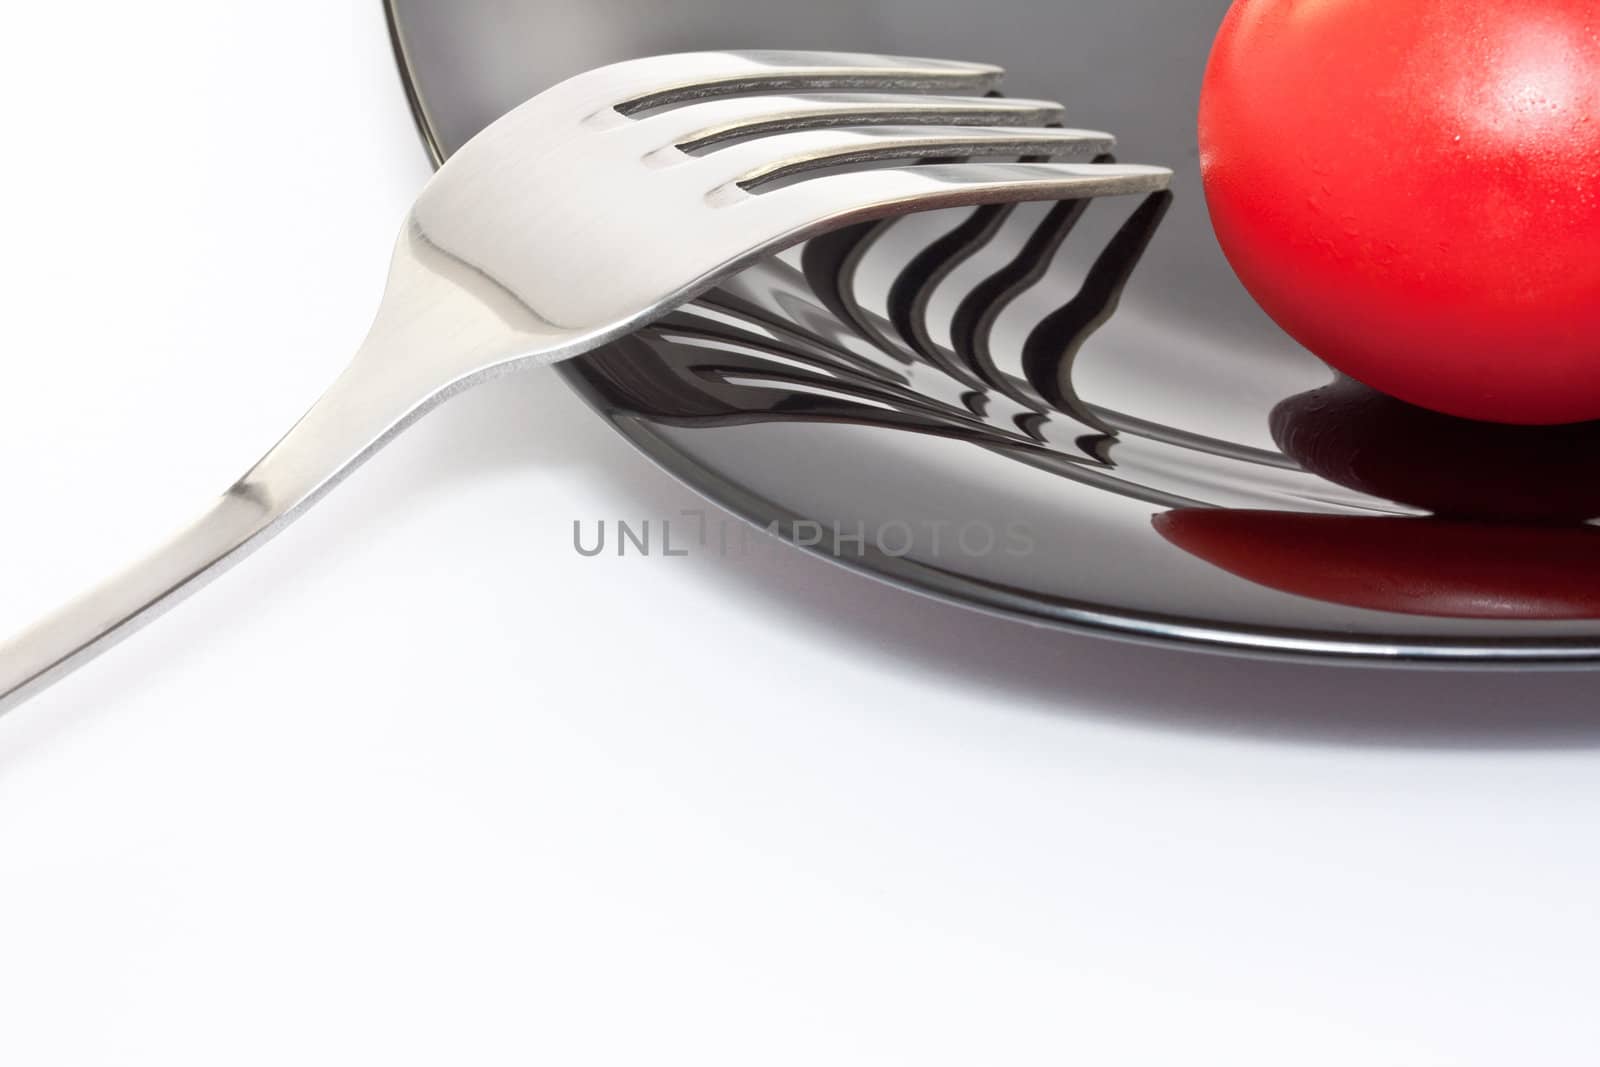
column 1071, row 416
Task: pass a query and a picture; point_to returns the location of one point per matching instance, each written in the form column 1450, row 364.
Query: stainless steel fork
column 591, row 210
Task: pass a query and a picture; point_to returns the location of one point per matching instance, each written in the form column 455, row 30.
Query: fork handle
column 438, row 330
column 84, row 627
column 362, row 410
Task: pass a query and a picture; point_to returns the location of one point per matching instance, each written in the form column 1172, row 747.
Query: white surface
column 416, row 784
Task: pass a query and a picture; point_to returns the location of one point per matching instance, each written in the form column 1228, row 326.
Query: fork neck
column 441, row 328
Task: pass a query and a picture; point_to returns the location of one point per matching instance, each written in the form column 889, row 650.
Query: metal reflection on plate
column 735, row 358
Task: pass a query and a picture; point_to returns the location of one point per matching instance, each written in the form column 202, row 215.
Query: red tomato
column 1411, row 188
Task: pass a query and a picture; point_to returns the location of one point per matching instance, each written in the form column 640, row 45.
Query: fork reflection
column 794, row 340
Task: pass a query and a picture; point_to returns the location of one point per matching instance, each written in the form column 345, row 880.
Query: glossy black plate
column 1070, row 414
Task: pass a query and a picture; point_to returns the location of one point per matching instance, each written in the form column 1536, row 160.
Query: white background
column 416, row 784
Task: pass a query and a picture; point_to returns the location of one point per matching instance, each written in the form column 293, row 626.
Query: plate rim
column 1259, row 642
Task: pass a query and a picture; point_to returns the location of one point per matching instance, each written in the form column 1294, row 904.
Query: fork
column 597, row 207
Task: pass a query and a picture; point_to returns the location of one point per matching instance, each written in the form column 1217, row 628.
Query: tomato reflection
column 1507, row 538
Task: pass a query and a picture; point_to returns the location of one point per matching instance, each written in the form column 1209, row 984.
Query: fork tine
column 642, row 84
column 697, row 126
column 769, row 159
column 826, row 201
